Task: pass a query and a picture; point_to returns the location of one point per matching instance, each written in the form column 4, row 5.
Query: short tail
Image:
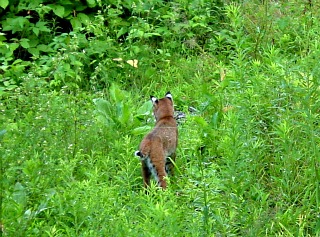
column 139, row 154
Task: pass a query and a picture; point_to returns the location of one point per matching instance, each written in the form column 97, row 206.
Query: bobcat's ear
column 168, row 95
column 154, row 100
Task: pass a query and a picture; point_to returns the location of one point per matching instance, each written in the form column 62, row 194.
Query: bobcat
column 160, row 143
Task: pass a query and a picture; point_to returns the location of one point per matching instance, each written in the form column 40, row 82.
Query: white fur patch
column 152, row 169
column 169, row 95
column 153, row 99
column 138, row 154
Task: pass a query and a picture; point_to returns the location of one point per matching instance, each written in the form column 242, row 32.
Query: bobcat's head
column 162, row 107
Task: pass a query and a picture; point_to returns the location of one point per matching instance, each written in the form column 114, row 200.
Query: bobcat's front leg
column 162, row 182
column 161, row 176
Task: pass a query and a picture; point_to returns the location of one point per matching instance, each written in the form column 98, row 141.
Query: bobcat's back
column 160, row 143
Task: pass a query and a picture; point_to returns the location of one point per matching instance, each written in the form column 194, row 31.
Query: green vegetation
column 75, row 80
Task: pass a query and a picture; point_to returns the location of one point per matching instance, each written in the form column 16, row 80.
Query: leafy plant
column 119, row 112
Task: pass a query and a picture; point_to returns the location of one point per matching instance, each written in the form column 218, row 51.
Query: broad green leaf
column 11, row 87
column 83, row 18
column 34, row 51
column 44, row 48
column 13, row 46
column 58, row 10
column 104, row 111
column 125, row 114
column 135, row 33
column 164, row 31
column 24, row 43
column 2, row 37
column 35, row 31
column 19, row 194
column 22, row 21
column 91, row 3
column 4, row 3
column 41, row 25
column 122, row 31
column 147, row 35
column 80, row 7
column 6, row 83
column 28, row 214
column 141, row 130
column 76, row 24
column 14, row 24
column 103, row 106
column 200, row 121
column 17, row 61
column 145, row 109
column 116, row 94
column 77, row 63
column 33, row 42
column 6, row 26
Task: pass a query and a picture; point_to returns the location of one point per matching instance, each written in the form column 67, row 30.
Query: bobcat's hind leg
column 161, row 173
column 146, row 173
column 170, row 165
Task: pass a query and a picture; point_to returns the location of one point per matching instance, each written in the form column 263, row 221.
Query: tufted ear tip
column 153, row 99
column 168, row 95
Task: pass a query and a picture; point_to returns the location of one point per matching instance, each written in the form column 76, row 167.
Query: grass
column 248, row 156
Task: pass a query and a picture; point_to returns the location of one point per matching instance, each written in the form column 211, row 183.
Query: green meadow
column 75, row 104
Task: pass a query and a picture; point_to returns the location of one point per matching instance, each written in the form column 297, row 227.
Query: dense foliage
column 75, row 80
column 78, row 43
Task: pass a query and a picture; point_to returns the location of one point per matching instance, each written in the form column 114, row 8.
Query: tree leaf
column 122, row 31
column 35, row 31
column 83, row 18
column 44, row 48
column 91, row 3
column 34, row 51
column 58, row 10
column 76, row 24
column 24, row 43
column 41, row 25
column 4, row 3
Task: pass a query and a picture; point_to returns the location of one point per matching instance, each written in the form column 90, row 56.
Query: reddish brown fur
column 160, row 143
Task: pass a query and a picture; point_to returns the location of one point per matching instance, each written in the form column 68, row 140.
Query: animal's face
column 162, row 107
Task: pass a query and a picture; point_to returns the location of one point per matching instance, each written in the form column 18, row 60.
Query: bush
column 90, row 36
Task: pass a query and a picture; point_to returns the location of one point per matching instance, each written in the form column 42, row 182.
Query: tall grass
column 248, row 156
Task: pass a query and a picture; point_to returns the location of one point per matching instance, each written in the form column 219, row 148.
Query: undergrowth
column 248, row 155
